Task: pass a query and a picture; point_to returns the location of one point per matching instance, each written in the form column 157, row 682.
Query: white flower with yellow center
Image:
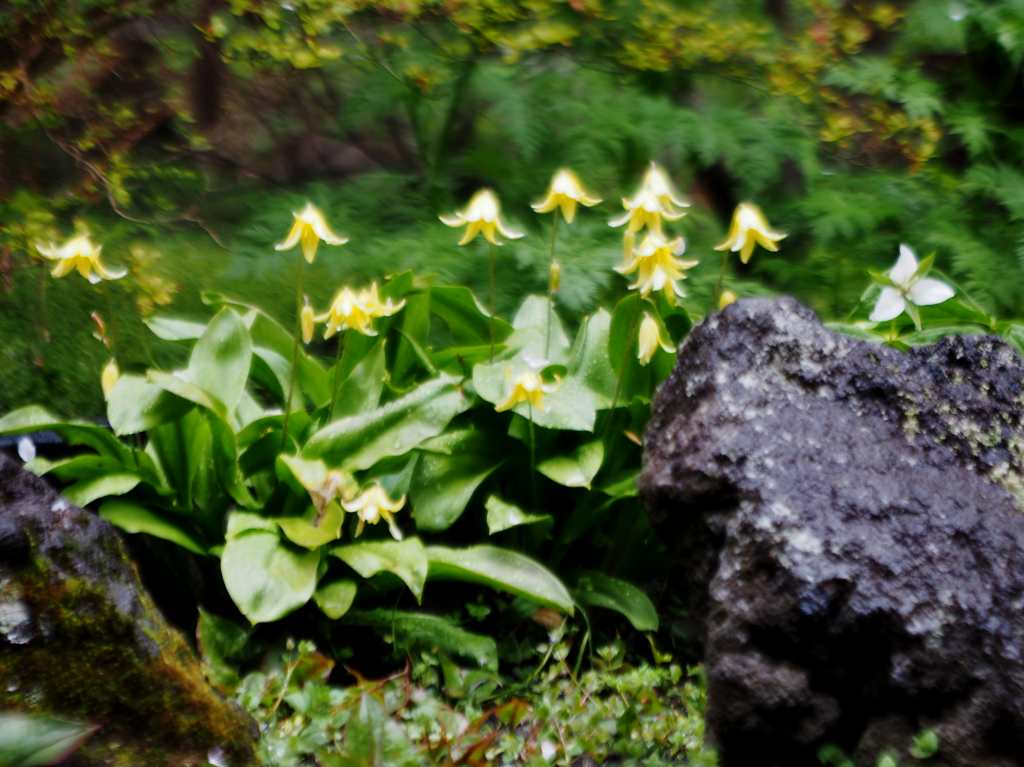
column 749, row 227
column 565, row 193
column 481, row 216
column 657, row 266
column 308, row 230
column 82, row 254
column 650, row 339
column 909, row 286
column 653, row 202
column 372, row 505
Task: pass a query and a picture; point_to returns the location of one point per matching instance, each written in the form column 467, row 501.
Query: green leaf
column 925, row 744
column 577, row 469
column 312, row 532
column 374, row 739
column 407, row 559
column 335, row 598
column 223, row 646
column 442, row 485
column 135, row 518
column 468, row 321
column 359, row 441
column 221, row 358
column 266, row 578
column 35, row 741
column 430, row 631
column 502, row 515
column 361, row 389
column 136, row 404
column 88, row 490
column 175, row 328
column 33, row 418
column 500, row 569
column 600, row 590
column 176, row 384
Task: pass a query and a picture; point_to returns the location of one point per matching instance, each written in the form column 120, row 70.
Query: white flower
column 909, row 286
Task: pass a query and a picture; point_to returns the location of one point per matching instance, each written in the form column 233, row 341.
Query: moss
column 127, row 671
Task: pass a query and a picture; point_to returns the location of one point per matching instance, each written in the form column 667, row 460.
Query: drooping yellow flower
column 309, row 228
column 527, row 387
column 649, row 339
column 565, row 193
column 108, row 378
column 749, row 227
column 80, row 253
column 727, row 297
column 353, row 310
column 653, row 202
column 374, row 504
column 657, row 266
column 307, row 320
column 481, row 216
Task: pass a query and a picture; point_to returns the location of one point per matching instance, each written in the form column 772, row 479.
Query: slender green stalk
column 718, row 285
column 551, row 287
column 494, row 293
column 533, row 460
column 622, row 367
column 293, row 371
column 337, row 377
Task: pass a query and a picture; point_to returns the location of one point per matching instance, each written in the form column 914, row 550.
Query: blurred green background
column 183, row 133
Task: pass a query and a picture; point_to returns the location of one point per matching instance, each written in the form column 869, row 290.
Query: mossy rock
column 81, row 639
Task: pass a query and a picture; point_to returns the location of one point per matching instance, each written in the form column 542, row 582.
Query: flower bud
column 727, row 297
column 554, row 277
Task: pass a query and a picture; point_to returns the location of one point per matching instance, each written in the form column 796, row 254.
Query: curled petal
column 454, row 220
column 508, row 234
column 323, row 231
column 292, row 239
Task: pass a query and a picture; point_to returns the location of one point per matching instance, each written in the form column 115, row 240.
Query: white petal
column 905, row 267
column 889, row 306
column 26, row 449
column 928, row 291
column 620, row 220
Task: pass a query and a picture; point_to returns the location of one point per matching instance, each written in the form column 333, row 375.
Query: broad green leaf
column 32, row 418
column 632, row 378
column 312, row 530
column 361, row 389
column 442, row 485
column 335, row 598
column 266, row 578
column 179, row 386
column 241, row 522
column 414, row 332
column 223, row 646
column 135, row 404
column 224, row 452
column 500, row 569
column 502, row 515
column 135, row 518
column 175, row 328
column 359, row 441
column 578, row 468
column 432, row 631
column 221, row 358
column 88, row 490
column 469, row 322
column 407, row 559
column 36, row 741
column 600, row 590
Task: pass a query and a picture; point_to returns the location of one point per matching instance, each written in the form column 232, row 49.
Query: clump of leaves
column 427, row 715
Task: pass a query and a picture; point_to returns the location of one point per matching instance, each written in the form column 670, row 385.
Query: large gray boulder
column 848, row 528
column 81, row 639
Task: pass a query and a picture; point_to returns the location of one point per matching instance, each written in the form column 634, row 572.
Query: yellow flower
column 374, row 504
column 657, row 266
column 654, row 200
column 649, row 339
column 727, row 297
column 527, row 387
column 79, row 253
column 357, row 311
column 109, row 376
column 481, row 216
column 566, row 192
column 307, row 320
column 308, row 230
column 749, row 227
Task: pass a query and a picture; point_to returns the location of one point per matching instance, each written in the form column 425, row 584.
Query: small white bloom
column 26, row 449
column 908, row 286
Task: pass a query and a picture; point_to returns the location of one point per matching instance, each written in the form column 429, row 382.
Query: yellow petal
column 292, row 239
column 309, row 242
column 109, row 376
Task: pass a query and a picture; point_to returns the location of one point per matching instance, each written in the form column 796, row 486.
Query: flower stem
column 551, row 292
column 533, row 460
column 626, row 349
column 718, row 285
column 494, row 293
column 293, row 371
column 337, row 377
column 44, row 330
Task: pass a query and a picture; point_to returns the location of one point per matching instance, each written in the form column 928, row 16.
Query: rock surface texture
column 81, row 639
column 849, row 530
